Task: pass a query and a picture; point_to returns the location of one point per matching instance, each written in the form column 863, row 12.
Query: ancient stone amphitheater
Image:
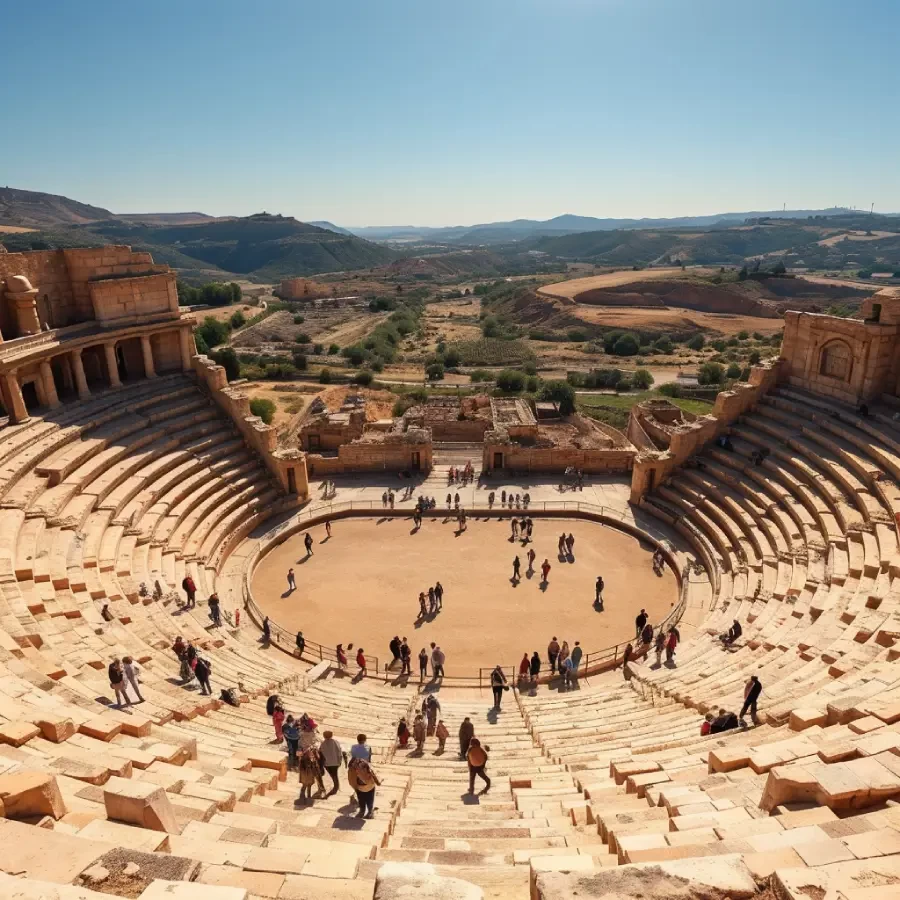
column 127, row 462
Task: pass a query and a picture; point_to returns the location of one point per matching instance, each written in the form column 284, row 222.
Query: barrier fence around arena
column 591, row 662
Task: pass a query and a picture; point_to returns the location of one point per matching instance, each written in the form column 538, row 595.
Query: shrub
column 480, row 375
column 377, row 365
column 560, row 392
column 754, row 358
column 743, row 335
column 490, row 327
column 577, row 335
column 354, row 354
column 238, row 320
column 627, row 345
column 363, row 377
column 299, row 360
column 213, row 332
column 263, row 408
column 623, row 385
column 733, row 371
column 510, row 381
column 298, row 320
column 451, row 358
column 718, row 345
column 202, row 348
column 642, row 379
column 697, row 342
column 758, row 336
column 745, row 373
column 435, row 371
column 529, row 368
column 532, row 383
column 228, row 359
column 731, row 342
column 670, row 389
column 663, row 345
column 318, row 349
column 576, row 379
column 325, row 376
column 711, row 373
column 333, row 350
column 303, row 339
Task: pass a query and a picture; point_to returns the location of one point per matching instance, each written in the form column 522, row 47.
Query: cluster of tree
column 214, row 293
column 381, row 345
column 614, row 379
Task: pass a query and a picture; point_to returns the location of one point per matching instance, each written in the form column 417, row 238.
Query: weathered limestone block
column 138, row 803
column 26, row 794
column 420, row 881
column 17, row 733
column 687, row 879
column 56, row 728
column 190, row 890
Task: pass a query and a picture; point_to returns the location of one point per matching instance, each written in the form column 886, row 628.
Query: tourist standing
column 524, row 668
column 402, row 734
column 132, row 671
column 423, row 664
column 531, row 556
column 292, row 582
column 328, row 529
column 188, row 586
column 553, row 653
column 466, row 733
column 577, row 653
column 437, row 661
column 332, row 756
column 291, row 733
column 752, row 690
column 566, row 669
column 267, row 631
column 394, row 647
column 598, row 592
column 405, row 658
column 439, row 595
column 516, row 565
column 361, row 750
column 671, row 644
column 498, row 684
column 423, row 609
column 214, row 612
column 535, row 668
column 308, row 543
column 278, row 722
column 626, row 658
column 432, row 605
column 340, row 656
column 419, row 732
column 563, row 655
column 545, row 571
column 660, row 646
column 301, row 643
column 202, row 671
column 442, row 734
column 640, row 620
column 117, row 683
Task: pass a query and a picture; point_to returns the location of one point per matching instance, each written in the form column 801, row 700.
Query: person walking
column 402, row 734
column 423, row 664
column 423, row 608
column 291, row 732
column 391, row 499
column 466, row 733
column 640, row 620
column 267, row 631
column 363, row 780
column 340, row 656
column 432, row 603
column 553, row 654
column 439, row 595
column 361, row 750
column 626, row 658
column 752, row 690
column 514, row 526
column 361, row 662
column 545, row 571
column 328, row 529
column 308, row 543
column 442, row 734
column 477, row 759
column 292, row 582
column 419, row 733
column 660, row 646
column 202, row 671
column 598, row 592
column 215, row 613
column 531, row 556
column 132, row 671
column 332, row 756
column 431, row 709
column 405, row 658
column 117, row 683
column 437, row 661
column 516, row 564
column 277, row 723
column 561, row 545
column 671, row 644
column 188, row 586
column 301, row 643
column 524, row 668
column 498, row 685
column 535, row 668
column 647, row 635
column 394, row 647
column 566, row 668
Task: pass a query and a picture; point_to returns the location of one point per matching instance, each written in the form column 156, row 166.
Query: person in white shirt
column 132, row 672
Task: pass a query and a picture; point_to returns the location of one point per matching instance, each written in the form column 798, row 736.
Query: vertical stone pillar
column 184, row 336
column 81, row 384
column 15, row 402
column 112, row 364
column 50, row 395
column 147, row 350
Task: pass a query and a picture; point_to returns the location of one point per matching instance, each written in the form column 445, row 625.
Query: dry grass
column 670, row 318
column 568, row 290
column 15, row 229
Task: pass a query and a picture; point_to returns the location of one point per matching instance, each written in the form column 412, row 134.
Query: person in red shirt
column 361, row 662
column 545, row 570
column 524, row 667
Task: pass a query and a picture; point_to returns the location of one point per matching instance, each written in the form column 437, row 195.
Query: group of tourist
column 511, row 500
column 725, row 720
column 566, row 545
column 434, row 602
column 561, row 660
column 192, row 665
column 462, row 476
column 521, row 529
column 121, row 671
column 313, row 756
column 387, row 499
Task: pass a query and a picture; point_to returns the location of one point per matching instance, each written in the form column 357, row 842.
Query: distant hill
column 263, row 247
column 330, row 226
column 33, row 209
column 182, row 218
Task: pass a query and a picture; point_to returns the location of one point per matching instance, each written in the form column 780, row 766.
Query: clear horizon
column 404, row 113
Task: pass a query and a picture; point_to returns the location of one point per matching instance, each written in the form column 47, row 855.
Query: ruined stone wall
column 130, row 301
column 365, row 456
column 331, row 436
column 166, row 351
column 459, row 431
column 869, row 348
column 551, row 459
column 258, row 436
column 636, row 434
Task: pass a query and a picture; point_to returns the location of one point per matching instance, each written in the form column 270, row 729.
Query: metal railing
column 591, row 662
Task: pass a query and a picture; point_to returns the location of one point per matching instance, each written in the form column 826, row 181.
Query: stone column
column 147, row 349
column 12, row 395
column 187, row 351
column 50, row 395
column 81, row 384
column 112, row 365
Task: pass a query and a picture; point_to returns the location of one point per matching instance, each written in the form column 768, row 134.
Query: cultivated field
column 672, row 318
column 569, row 290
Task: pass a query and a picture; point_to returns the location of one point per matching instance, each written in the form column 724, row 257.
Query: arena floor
column 362, row 586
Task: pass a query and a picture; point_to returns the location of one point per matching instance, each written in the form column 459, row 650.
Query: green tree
column 299, row 360
column 452, row 358
column 333, row 349
column 325, row 376
column 642, row 379
column 302, row 339
column 299, row 320
column 435, row 371
column 733, row 371
column 697, row 342
column 711, row 373
column 754, row 358
column 663, row 344
column 228, row 359
column 263, row 408
column 510, row 381
column 363, row 377
column 561, row 393
column 627, row 345
column 213, row 332
column 238, row 320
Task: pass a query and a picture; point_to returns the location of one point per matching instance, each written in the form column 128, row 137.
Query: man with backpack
column 477, row 759
column 188, row 586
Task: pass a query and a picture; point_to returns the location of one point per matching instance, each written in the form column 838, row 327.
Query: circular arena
column 362, row 585
column 147, row 521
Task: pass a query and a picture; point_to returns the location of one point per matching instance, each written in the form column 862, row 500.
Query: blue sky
column 420, row 112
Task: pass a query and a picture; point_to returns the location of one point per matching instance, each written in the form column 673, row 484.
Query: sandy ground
column 363, row 586
column 223, row 313
column 569, row 289
column 15, row 229
column 288, row 404
column 671, row 318
column 840, row 282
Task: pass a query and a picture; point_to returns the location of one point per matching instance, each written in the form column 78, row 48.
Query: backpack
column 476, row 756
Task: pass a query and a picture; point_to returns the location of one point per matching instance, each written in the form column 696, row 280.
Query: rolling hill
column 33, row 209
